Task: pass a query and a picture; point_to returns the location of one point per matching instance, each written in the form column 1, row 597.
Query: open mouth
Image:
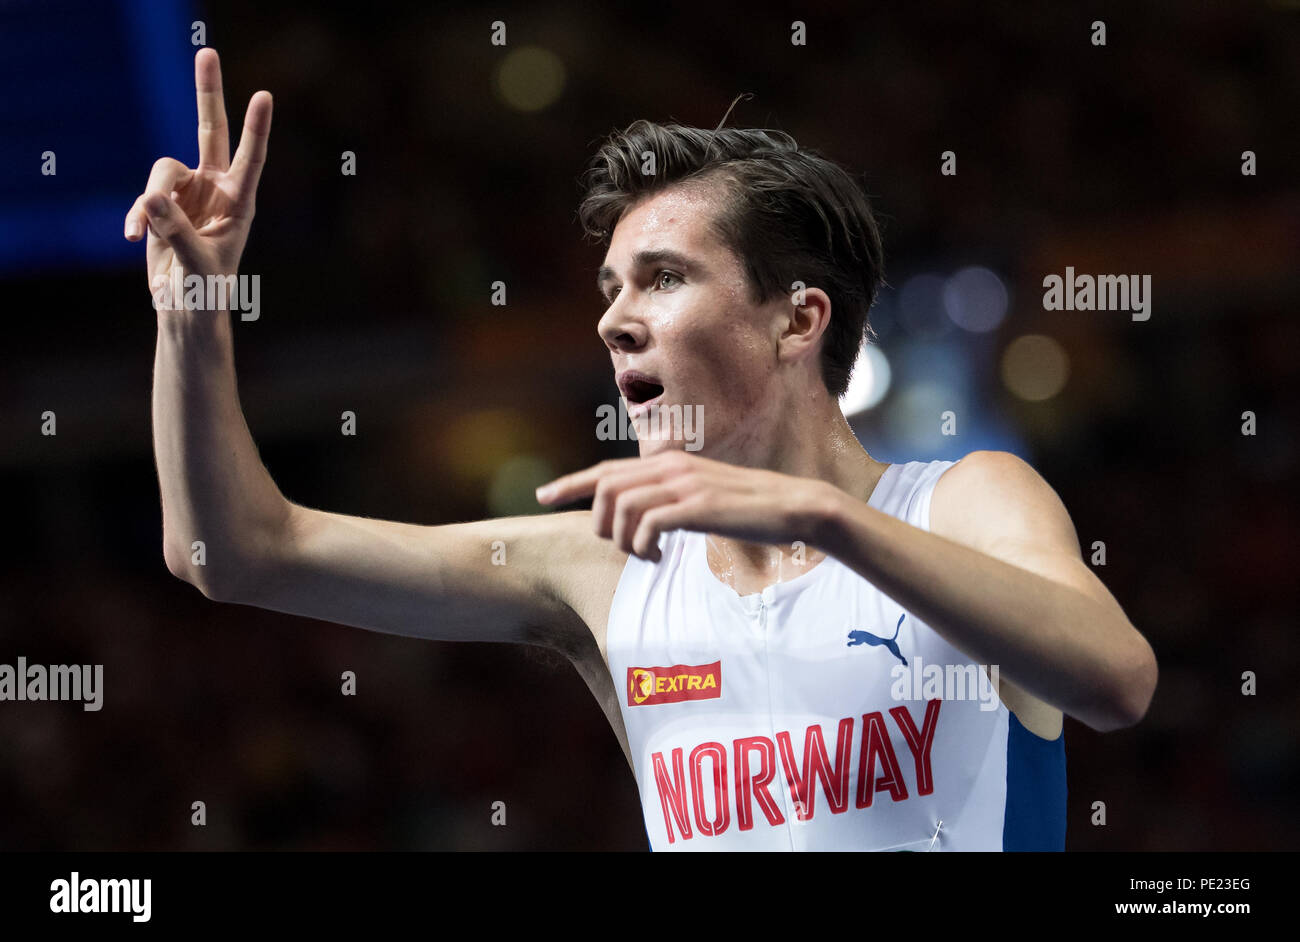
column 638, row 389
column 639, row 392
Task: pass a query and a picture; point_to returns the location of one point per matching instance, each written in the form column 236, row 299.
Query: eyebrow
column 644, row 259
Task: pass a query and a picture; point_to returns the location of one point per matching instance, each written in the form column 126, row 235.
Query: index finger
column 581, row 484
column 214, row 136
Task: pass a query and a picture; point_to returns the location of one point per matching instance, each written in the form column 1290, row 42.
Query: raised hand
column 198, row 219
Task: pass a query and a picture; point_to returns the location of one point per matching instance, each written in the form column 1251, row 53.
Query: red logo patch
column 647, row 686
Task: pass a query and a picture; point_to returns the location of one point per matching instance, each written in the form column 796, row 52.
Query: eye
column 659, row 277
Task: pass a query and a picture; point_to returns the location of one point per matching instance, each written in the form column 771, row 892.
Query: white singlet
column 818, row 714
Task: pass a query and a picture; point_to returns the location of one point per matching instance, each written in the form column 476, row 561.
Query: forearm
column 215, row 489
column 1054, row 641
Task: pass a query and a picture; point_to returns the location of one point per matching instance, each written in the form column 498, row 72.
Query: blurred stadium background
column 1123, row 158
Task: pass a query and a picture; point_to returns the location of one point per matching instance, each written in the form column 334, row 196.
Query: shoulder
column 996, row 473
column 993, row 496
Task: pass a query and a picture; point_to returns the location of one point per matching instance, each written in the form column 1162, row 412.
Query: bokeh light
column 869, row 382
column 514, row 484
column 975, row 299
column 530, row 78
column 1035, row 367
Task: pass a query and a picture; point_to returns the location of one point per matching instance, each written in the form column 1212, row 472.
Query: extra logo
column 647, row 686
column 890, row 644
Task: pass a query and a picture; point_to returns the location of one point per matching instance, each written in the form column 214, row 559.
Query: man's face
column 682, row 328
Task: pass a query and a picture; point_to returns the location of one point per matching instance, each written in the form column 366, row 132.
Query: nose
column 621, row 330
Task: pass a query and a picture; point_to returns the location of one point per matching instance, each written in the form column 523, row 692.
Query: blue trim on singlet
column 1035, row 811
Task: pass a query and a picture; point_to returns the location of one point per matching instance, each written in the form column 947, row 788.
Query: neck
column 807, row 438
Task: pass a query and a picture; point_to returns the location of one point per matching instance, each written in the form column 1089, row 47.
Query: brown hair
column 790, row 214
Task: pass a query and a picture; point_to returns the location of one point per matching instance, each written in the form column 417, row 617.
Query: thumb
column 171, row 225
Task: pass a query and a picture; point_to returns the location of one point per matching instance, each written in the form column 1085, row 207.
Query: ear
column 802, row 324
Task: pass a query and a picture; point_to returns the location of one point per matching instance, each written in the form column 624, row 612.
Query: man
column 742, row 613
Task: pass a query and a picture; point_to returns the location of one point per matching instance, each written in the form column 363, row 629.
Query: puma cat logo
column 866, row 637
